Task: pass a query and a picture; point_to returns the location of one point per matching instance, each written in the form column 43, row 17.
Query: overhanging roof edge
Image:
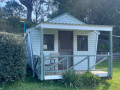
column 71, row 26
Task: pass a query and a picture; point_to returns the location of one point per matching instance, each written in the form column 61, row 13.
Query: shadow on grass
column 30, row 79
column 106, row 85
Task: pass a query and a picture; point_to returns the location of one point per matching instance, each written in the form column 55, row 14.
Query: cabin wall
column 92, row 46
column 29, row 50
column 92, row 49
column 47, row 53
column 55, row 33
column 35, row 40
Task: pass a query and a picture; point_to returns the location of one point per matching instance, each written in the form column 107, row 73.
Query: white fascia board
column 38, row 26
column 75, row 27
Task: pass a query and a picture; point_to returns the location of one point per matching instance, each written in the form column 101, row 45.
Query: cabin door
column 65, row 48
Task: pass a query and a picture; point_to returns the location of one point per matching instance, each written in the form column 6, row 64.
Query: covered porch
column 54, row 71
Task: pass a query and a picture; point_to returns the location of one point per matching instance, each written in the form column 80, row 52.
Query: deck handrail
column 57, row 62
column 99, row 62
column 66, row 58
column 55, row 56
column 87, row 57
column 70, row 67
column 78, row 63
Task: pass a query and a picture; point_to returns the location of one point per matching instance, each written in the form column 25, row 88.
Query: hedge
column 12, row 57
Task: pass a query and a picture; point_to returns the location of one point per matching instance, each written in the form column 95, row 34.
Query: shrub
column 12, row 57
column 70, row 79
column 89, row 79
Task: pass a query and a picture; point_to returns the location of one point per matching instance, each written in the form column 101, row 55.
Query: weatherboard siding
column 29, row 50
column 92, row 46
column 35, row 39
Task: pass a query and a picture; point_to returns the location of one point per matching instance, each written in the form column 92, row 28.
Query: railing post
column 34, row 61
column 33, row 66
column 111, row 55
column 88, row 63
column 44, row 67
column 41, row 56
column 67, row 63
column 39, row 68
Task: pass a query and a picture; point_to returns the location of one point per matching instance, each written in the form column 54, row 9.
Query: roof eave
column 74, row 26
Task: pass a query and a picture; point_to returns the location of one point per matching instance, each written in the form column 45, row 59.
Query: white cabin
column 64, row 36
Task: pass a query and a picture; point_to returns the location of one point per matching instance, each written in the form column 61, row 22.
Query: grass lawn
column 31, row 83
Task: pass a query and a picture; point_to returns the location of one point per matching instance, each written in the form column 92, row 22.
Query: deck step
column 53, row 77
column 100, row 73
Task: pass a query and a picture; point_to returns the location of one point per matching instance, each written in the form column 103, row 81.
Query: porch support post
column 88, row 63
column 41, row 53
column 110, row 62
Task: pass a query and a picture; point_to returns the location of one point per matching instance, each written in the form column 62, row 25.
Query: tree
column 1, row 12
column 91, row 11
column 29, row 5
column 13, row 9
column 77, row 8
column 42, row 8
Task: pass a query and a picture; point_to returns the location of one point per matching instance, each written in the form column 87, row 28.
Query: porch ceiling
column 75, row 27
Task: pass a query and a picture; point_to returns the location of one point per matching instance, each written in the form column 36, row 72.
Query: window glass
column 48, row 42
column 82, row 43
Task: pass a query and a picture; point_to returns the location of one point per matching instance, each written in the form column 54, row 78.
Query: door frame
column 71, row 43
column 59, row 40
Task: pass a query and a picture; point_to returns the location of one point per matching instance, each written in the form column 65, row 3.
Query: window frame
column 77, row 42
column 53, row 42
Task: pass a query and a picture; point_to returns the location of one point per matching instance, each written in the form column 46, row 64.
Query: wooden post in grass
column 110, row 62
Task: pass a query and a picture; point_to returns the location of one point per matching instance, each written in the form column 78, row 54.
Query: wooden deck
column 59, row 76
column 100, row 73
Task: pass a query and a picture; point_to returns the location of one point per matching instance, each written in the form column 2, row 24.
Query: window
column 48, row 42
column 82, row 43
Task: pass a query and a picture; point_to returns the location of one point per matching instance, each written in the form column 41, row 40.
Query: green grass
column 31, row 83
column 114, row 83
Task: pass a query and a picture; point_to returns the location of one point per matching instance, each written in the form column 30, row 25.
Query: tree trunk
column 28, row 4
column 36, row 16
column 29, row 14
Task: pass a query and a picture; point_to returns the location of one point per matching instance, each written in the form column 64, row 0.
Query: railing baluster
column 68, row 67
column 99, row 62
column 57, row 63
column 78, row 63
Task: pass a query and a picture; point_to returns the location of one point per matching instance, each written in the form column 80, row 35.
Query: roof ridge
column 74, row 18
column 69, row 16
